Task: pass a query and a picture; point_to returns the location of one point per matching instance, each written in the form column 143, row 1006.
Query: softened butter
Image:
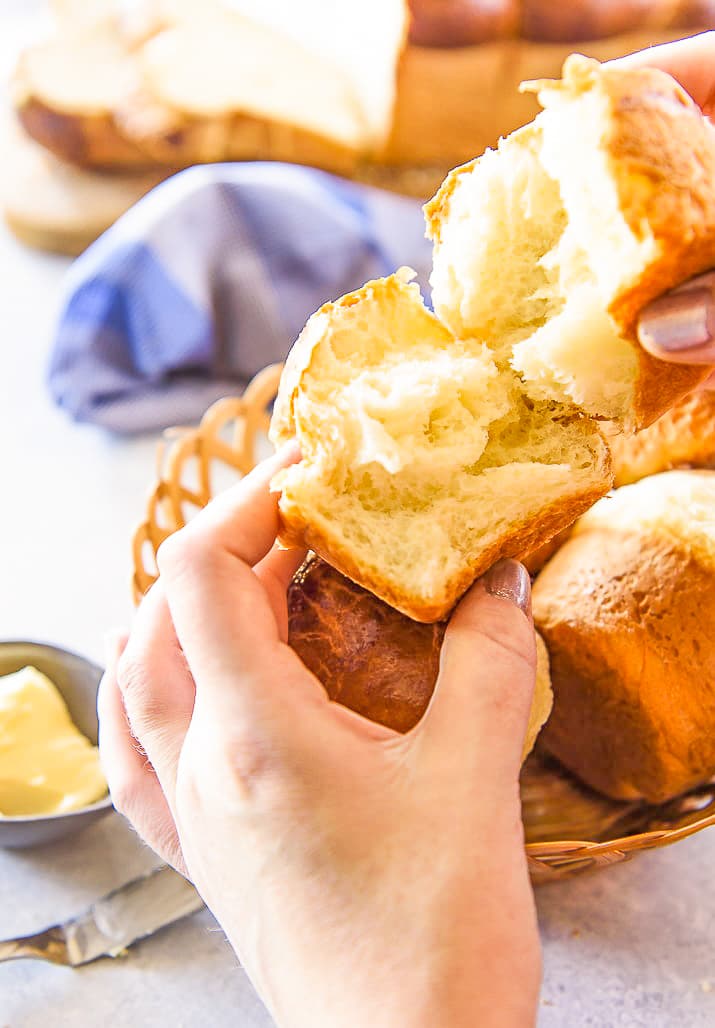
column 46, row 765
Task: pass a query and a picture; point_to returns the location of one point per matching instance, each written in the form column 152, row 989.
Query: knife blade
column 109, row 926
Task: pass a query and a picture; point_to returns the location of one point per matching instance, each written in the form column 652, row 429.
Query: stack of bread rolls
column 434, row 443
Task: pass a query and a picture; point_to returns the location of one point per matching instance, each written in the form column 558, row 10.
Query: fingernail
column 509, row 580
column 680, row 322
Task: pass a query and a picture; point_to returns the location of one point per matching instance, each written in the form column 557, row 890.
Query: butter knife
column 132, row 912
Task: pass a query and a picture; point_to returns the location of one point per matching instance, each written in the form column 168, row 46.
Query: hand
column 680, row 326
column 363, row 877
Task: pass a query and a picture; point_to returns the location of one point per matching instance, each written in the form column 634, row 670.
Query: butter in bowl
column 51, row 782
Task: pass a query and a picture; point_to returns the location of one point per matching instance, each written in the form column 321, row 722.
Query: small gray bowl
column 77, row 679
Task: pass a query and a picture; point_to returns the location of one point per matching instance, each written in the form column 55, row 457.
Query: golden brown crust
column 87, row 140
column 433, row 129
column 547, row 21
column 432, row 125
column 682, row 437
column 145, row 134
column 520, row 539
column 458, row 23
column 662, row 159
column 373, row 659
column 536, row 559
column 626, row 615
column 139, row 130
column 436, row 210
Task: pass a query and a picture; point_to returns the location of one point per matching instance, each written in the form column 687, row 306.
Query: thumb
column 480, row 707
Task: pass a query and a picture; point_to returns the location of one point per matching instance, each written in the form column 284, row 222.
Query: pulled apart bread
column 550, row 246
column 433, row 444
column 373, row 659
column 423, row 459
column 626, row 609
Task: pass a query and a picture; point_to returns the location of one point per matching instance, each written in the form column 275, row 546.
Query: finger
column 244, row 519
column 157, row 688
column 275, row 573
column 680, row 326
column 133, row 785
column 690, row 61
column 480, row 707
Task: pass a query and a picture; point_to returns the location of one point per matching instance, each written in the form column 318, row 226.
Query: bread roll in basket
column 569, row 828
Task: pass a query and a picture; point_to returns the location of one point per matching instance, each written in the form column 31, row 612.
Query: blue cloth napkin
column 209, row 278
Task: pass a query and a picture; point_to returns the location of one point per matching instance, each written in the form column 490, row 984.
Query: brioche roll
column 603, row 202
column 626, row 610
column 423, row 461
column 373, row 659
column 682, row 437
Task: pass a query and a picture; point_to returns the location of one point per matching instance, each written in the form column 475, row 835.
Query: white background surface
column 634, row 946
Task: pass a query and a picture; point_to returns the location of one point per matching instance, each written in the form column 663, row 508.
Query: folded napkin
column 209, row 278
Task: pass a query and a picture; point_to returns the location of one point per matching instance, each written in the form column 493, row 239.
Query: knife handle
column 49, row 945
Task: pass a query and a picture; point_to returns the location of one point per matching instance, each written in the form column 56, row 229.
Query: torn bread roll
column 626, row 610
column 434, row 445
column 423, row 461
column 373, row 659
column 549, row 247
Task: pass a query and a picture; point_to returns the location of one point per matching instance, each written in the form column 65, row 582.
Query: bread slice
column 603, row 202
column 66, row 89
column 423, row 458
column 187, row 83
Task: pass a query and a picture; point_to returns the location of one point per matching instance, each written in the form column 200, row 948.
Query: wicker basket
column 569, row 828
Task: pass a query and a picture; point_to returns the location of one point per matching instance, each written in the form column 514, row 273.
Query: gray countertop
column 631, row 946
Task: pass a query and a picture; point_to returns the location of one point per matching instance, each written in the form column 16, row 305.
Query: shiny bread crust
column 373, row 659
